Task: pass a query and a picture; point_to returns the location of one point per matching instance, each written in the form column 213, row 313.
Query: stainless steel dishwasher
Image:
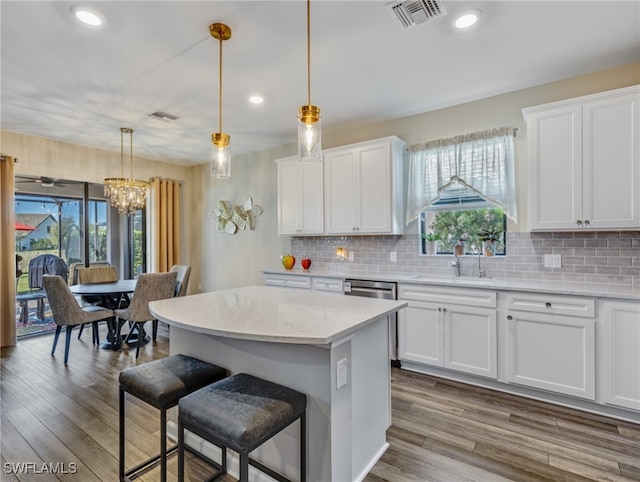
column 382, row 290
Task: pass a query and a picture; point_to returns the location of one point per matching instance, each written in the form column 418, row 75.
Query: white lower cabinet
column 335, row 285
column 287, row 280
column 620, row 350
column 316, row 283
column 449, row 328
column 550, row 343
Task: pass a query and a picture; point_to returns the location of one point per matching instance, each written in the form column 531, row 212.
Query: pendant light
column 309, row 131
column 220, row 149
column 126, row 194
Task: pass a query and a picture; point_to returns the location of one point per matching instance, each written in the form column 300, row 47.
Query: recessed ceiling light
column 87, row 16
column 256, row 99
column 467, row 18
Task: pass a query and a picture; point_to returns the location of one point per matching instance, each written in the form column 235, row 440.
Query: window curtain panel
column 483, row 162
column 7, row 254
column 164, row 224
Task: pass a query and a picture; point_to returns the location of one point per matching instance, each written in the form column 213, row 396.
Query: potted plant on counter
column 489, row 238
column 431, row 240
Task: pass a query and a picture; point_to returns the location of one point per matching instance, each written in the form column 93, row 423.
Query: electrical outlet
column 351, row 256
column 342, row 370
column 393, row 256
column 553, row 261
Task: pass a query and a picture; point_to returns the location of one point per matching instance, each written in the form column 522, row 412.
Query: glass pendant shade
column 220, row 148
column 309, row 128
column 220, row 156
column 309, row 134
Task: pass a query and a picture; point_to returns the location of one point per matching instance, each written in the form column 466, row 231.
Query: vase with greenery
column 490, row 237
column 431, row 240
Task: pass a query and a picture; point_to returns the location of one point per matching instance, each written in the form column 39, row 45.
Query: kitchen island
column 298, row 339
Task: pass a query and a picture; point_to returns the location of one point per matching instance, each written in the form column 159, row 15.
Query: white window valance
column 483, row 162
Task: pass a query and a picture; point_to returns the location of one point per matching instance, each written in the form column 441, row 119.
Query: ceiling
column 65, row 81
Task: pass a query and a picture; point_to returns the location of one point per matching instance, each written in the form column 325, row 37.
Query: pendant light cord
column 308, row 52
column 220, row 91
column 121, row 153
column 131, row 151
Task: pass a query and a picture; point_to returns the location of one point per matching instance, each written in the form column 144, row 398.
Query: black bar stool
column 241, row 413
column 161, row 383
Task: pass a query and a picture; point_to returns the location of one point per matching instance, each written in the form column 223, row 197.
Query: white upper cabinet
column 300, row 203
column 363, row 188
column 585, row 163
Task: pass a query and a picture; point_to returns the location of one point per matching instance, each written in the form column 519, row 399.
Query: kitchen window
column 463, row 186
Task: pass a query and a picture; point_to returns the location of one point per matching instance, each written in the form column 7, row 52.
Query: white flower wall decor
column 229, row 218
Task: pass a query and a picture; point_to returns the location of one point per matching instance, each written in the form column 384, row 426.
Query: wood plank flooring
column 442, row 431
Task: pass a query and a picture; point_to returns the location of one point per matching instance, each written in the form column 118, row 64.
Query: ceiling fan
column 42, row 181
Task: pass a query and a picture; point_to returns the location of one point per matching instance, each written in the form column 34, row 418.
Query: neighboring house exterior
column 42, row 222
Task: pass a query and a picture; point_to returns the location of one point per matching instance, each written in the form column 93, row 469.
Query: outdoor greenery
column 471, row 225
column 138, row 250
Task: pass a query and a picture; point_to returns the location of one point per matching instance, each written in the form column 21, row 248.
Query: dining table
column 119, row 290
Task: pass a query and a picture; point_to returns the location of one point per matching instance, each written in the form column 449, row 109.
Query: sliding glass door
column 74, row 221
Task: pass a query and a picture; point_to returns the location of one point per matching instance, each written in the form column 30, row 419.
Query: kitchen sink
column 467, row 280
column 474, row 281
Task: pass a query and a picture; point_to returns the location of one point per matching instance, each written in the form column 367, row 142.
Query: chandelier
column 126, row 194
column 220, row 149
column 309, row 142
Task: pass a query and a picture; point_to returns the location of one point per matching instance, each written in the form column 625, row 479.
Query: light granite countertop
column 600, row 290
column 273, row 314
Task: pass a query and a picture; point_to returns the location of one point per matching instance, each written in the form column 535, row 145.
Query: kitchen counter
column 601, row 290
column 297, row 338
column 270, row 314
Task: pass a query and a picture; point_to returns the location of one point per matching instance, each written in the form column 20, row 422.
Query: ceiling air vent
column 413, row 12
column 163, row 116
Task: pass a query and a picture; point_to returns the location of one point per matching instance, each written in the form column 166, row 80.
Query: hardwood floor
column 442, row 431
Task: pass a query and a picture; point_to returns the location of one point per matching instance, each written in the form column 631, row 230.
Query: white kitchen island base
column 346, row 426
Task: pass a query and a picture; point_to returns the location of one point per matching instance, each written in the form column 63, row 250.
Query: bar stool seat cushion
column 164, row 381
column 241, row 410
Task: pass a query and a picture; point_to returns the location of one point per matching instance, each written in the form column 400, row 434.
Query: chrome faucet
column 455, row 264
column 480, row 271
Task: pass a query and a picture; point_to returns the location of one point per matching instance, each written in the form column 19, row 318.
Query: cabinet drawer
column 455, row 296
column 328, row 284
column 551, row 304
column 288, row 281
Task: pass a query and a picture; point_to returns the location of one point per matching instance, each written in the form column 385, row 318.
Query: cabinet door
column 420, row 335
column 300, row 197
column 555, row 176
column 611, row 163
column 373, row 191
column 621, row 354
column 340, row 195
column 470, row 340
column 555, row 353
column 287, row 281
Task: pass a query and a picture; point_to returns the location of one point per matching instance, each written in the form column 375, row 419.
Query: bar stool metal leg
column 121, row 437
column 303, row 447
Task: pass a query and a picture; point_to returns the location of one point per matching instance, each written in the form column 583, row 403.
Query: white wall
column 221, row 261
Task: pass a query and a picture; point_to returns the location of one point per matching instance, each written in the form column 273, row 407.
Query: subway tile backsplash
column 593, row 257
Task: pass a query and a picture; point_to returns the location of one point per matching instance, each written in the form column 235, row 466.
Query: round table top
column 117, row 287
